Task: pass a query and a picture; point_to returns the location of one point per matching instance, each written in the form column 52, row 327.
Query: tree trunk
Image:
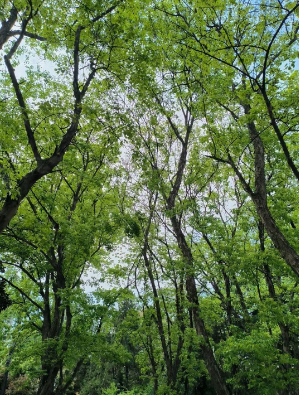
column 217, row 379
column 46, row 386
column 11, row 206
column 171, row 371
column 7, row 26
column 259, row 198
column 6, row 374
column 168, row 361
column 51, row 330
column 215, row 373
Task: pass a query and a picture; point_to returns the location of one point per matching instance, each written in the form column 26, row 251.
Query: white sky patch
column 94, row 278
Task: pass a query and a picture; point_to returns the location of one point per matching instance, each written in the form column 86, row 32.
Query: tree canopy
column 148, row 197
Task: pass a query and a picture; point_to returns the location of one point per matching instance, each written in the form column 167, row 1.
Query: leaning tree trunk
column 259, row 197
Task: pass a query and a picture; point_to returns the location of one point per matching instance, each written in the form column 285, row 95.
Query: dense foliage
column 148, row 212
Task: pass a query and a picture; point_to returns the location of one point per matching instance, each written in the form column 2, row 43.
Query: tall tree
column 46, row 254
column 48, row 137
column 241, row 72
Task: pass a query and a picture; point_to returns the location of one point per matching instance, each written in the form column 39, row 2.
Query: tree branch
column 7, row 25
column 27, row 34
column 19, row 40
column 22, row 293
column 108, row 11
column 21, row 101
column 24, row 271
column 272, row 41
column 76, row 63
column 245, row 184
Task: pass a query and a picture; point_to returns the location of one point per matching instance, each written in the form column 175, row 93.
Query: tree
column 219, row 40
column 178, row 185
column 48, row 251
column 45, row 151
